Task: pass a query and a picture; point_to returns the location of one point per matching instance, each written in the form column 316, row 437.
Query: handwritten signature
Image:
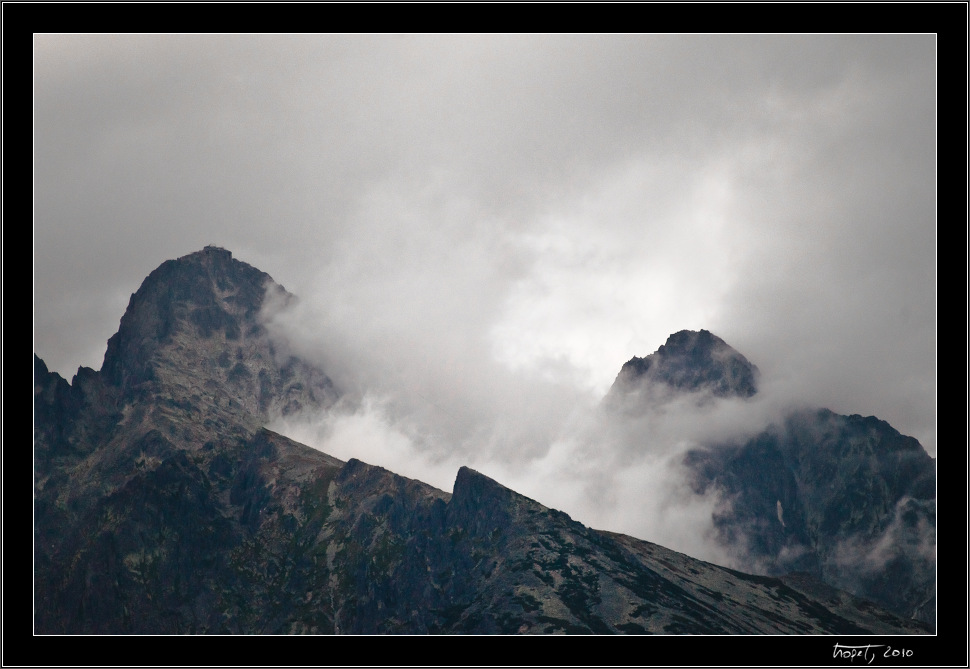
column 868, row 653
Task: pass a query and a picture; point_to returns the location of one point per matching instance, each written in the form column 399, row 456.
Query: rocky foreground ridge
column 163, row 506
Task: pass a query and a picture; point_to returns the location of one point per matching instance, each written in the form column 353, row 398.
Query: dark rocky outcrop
column 847, row 498
column 690, row 362
column 193, row 331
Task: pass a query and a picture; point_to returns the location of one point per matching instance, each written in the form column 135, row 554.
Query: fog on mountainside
column 616, row 469
column 653, row 458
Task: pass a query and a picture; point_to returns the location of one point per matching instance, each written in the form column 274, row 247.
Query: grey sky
column 482, row 229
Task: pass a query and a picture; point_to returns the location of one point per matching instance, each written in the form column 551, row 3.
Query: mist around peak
column 425, row 407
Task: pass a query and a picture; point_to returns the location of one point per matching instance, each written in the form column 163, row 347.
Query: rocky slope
column 163, row 506
column 845, row 498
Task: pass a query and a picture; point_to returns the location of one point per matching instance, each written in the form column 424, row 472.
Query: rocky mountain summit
column 690, row 362
column 847, row 499
column 192, row 330
column 190, row 363
column 162, row 505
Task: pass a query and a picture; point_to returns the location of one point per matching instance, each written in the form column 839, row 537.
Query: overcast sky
column 483, row 229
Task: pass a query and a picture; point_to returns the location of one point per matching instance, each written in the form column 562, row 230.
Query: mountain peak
column 205, row 292
column 193, row 330
column 213, row 251
column 690, row 362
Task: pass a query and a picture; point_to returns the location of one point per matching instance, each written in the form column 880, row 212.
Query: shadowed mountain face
column 695, row 362
column 163, row 506
column 845, row 498
column 192, row 331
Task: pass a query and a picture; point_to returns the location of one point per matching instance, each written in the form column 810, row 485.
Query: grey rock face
column 192, row 331
column 846, row 498
column 689, row 362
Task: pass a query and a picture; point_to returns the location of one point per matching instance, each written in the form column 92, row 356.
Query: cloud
column 482, row 229
column 425, row 404
column 367, row 432
column 910, row 531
